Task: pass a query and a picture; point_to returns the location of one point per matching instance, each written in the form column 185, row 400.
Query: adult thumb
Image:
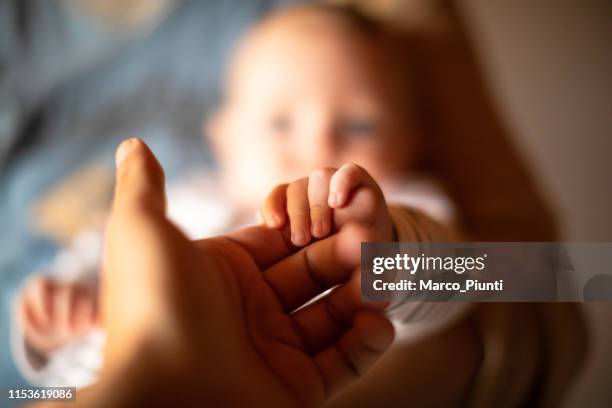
column 134, row 236
column 139, row 180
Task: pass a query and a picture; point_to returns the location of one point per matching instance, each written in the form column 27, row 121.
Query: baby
column 317, row 123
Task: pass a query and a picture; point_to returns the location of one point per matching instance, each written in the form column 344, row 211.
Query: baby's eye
column 357, row 127
column 280, row 124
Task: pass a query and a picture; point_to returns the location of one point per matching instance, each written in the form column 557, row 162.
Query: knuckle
column 297, row 185
column 353, row 167
column 278, row 189
column 318, row 208
column 38, row 283
column 40, row 286
column 299, row 216
column 272, row 201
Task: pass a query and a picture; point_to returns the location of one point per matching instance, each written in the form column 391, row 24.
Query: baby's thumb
column 140, row 180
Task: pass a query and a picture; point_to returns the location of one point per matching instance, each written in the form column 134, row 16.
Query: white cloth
column 199, row 211
column 414, row 320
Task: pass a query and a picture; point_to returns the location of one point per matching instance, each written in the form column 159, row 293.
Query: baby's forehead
column 303, row 30
column 304, row 21
column 298, row 39
column 306, row 14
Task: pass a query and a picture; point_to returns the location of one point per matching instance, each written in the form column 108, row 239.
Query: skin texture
column 189, row 323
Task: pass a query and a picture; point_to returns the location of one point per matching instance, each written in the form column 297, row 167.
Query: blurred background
column 549, row 63
column 72, row 86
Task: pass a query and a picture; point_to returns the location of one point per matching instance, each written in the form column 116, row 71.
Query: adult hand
column 215, row 321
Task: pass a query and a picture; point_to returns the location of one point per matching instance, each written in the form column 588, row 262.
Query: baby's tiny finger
column 346, row 179
column 38, row 297
column 274, row 208
column 62, row 304
column 342, row 182
column 82, row 310
column 298, row 210
column 318, row 192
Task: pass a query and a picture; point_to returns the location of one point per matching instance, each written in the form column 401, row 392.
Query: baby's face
column 302, row 99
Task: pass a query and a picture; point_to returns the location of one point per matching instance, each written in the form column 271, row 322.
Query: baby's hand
column 52, row 313
column 326, row 200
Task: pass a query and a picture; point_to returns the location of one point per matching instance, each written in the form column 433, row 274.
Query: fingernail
column 298, row 237
column 340, row 199
column 318, row 228
column 122, row 151
column 336, row 200
column 333, row 199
